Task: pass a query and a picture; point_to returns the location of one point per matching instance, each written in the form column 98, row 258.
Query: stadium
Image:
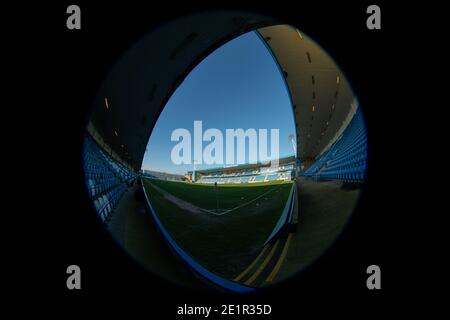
column 239, row 227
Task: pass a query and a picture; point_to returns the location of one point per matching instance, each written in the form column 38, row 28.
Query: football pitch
column 224, row 227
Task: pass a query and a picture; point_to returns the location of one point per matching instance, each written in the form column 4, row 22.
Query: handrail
column 285, row 216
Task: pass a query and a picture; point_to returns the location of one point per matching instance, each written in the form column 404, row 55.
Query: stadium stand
column 258, row 175
column 312, row 68
column 106, row 179
column 162, row 175
column 346, row 159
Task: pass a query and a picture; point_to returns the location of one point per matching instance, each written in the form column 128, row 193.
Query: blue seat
column 106, row 178
column 346, row 159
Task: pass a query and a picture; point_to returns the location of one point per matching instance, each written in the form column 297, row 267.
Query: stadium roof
column 134, row 93
column 321, row 96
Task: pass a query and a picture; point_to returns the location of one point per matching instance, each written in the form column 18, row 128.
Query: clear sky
column 237, row 86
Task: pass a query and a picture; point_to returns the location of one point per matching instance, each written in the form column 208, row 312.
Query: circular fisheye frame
column 225, row 150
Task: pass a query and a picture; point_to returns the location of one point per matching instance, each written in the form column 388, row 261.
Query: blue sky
column 237, row 86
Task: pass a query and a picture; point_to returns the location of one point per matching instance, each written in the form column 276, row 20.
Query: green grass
column 223, row 244
column 204, row 195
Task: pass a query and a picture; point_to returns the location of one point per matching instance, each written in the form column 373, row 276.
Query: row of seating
column 347, row 158
column 284, row 175
column 100, row 185
column 106, row 179
column 105, row 203
column 253, row 172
